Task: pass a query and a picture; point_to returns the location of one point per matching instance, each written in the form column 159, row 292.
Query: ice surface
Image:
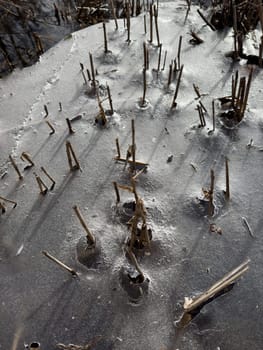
column 41, row 302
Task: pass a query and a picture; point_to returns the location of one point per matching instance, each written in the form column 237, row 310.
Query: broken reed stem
column 46, row 111
column 105, row 38
column 235, row 30
column 213, row 114
column 227, row 193
column 70, row 154
column 164, row 60
column 92, row 70
column 144, row 87
column 118, row 198
column 151, row 23
column 159, row 57
column 145, row 25
column 26, row 156
column 134, row 261
column 177, row 87
column 110, row 100
column 88, row 74
column 90, row 237
column 114, row 14
column 145, row 56
column 210, row 25
column 179, row 52
column 201, row 116
column 202, row 106
column 196, row 89
column 50, row 177
column 118, row 148
column 155, row 11
column 42, row 187
column 133, row 145
column 195, row 38
column 170, row 74
column 71, row 131
column 128, row 16
column 61, row 264
column 51, row 127
column 16, row 167
column 192, row 304
column 234, row 88
column 244, row 105
column 8, row 201
column 84, row 78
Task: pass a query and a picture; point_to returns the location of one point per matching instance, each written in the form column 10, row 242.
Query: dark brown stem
column 16, row 167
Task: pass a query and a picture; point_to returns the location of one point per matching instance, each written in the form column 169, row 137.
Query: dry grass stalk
column 188, row 2
column 92, row 71
column 84, row 78
column 8, row 201
column 105, row 38
column 145, row 56
column 145, row 25
column 138, row 165
column 46, row 111
column 155, row 12
column 110, row 100
column 159, row 57
column 191, row 304
column 128, row 17
column 248, row 227
column 227, row 193
column 88, row 74
column 133, row 145
column 135, row 262
column 197, row 91
column 174, row 104
column 235, row 31
column 118, row 148
column 16, row 167
column 213, row 115
column 164, row 60
column 90, row 238
column 101, row 117
column 42, row 186
column 50, row 178
column 210, row 25
column 113, row 10
column 58, row 262
column 151, row 23
column 139, row 173
column 143, row 101
column 118, row 198
column 179, row 52
column 196, row 40
column 70, row 129
column 201, row 116
column 170, row 74
column 71, row 154
column 26, row 156
column 202, row 106
column 51, row 127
